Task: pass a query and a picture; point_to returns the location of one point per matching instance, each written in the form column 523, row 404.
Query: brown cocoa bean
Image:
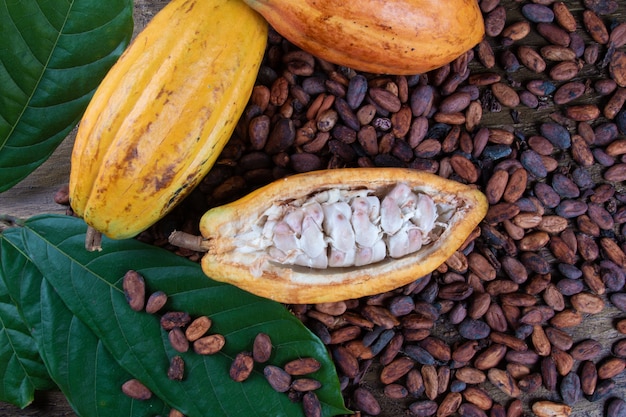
column 134, row 290
column 616, row 173
column 197, row 328
column 546, row 408
column 176, row 370
column 617, row 68
column 136, row 390
column 302, row 366
column 305, row 384
column 563, row 361
column 345, row 361
column 490, row 357
column 385, row 99
column 611, row 367
column 502, row 380
column 311, row 405
column 209, row 345
column 583, row 112
column 585, row 350
column 450, row 404
column 178, row 340
column 241, row 367
column 588, row 377
column 531, row 59
column 279, row 380
column 155, row 302
column 431, row 381
column 173, row 319
column 516, row 31
column 563, row 16
column 564, row 71
column 595, row 27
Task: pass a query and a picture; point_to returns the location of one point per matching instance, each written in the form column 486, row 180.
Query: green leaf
column 53, row 56
column 83, row 369
column 90, row 285
column 21, row 369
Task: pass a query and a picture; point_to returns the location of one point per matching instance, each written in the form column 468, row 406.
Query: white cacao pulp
column 345, row 228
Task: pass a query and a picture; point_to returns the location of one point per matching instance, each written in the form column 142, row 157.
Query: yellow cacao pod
column 163, row 113
column 383, row 37
column 339, row 234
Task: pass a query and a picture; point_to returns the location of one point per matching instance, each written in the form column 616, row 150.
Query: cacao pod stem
column 188, row 241
column 93, row 240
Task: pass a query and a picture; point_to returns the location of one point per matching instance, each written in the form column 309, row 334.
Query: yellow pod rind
column 382, row 37
column 164, row 112
column 301, row 285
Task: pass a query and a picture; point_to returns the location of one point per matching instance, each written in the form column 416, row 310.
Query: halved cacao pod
column 268, row 242
column 163, row 113
column 383, row 37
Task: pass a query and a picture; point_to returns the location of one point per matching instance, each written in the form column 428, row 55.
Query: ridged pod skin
column 220, row 227
column 164, row 112
column 400, row 37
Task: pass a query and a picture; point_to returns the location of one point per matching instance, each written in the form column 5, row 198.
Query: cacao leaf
column 75, row 357
column 90, row 285
column 53, row 57
column 21, row 368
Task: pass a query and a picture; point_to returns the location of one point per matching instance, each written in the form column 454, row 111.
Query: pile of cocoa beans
column 529, row 316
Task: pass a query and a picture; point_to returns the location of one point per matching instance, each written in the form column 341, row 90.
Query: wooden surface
column 35, row 195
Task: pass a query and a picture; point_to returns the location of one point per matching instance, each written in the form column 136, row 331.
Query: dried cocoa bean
column 366, row 402
column 134, row 290
column 176, row 370
column 209, row 345
column 198, row 328
column 241, row 367
column 136, row 390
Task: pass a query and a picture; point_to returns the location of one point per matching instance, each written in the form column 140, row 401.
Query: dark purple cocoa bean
column 366, row 402
column 423, row 408
column 564, row 186
column 495, row 21
column 537, row 13
column 509, row 61
column 569, row 92
column 541, row 87
column 557, row 134
column 604, row 388
column 546, row 195
column 586, row 350
column 474, row 329
column 357, row 90
column 533, row 163
column 553, row 34
column 616, row 407
column 570, row 388
column 421, row 100
column 528, row 99
column 281, row 137
column 345, row 113
column 602, row 7
column 571, row 208
column 535, row 262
